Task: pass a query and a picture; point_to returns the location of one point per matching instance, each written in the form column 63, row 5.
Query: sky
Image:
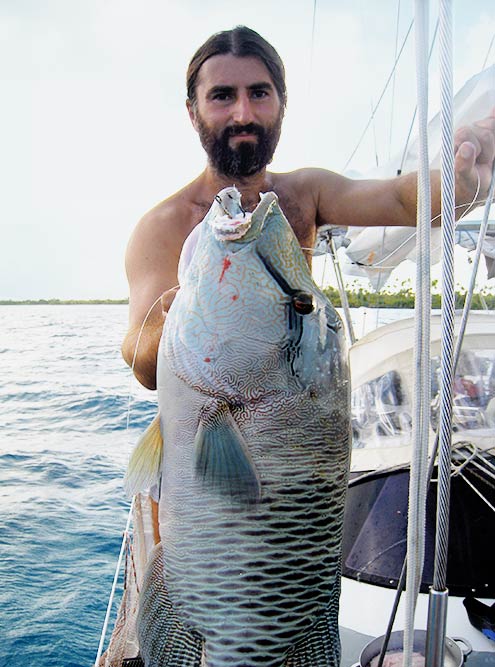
column 94, row 130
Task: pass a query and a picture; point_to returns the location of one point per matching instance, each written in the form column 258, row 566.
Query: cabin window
column 381, row 414
column 473, row 391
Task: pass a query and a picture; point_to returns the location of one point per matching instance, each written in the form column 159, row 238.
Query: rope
column 406, row 146
column 448, row 297
column 421, row 407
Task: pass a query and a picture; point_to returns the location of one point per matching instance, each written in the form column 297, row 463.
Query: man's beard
column 248, row 157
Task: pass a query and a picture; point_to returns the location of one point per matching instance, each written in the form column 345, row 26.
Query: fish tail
column 163, row 639
column 143, row 469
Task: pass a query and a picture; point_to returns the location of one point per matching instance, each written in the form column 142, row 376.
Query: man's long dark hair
column 242, row 42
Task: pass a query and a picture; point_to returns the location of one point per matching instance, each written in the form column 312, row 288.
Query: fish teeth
column 226, row 228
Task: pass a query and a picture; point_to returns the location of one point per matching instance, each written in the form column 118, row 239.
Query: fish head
column 249, row 318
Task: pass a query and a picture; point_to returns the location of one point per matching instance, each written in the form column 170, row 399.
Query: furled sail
column 374, row 252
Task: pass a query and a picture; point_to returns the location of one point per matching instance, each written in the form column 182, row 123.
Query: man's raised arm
column 346, row 202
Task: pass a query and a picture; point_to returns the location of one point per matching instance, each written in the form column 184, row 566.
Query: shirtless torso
column 155, row 247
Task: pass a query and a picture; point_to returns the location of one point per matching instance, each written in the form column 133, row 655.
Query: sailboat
column 375, row 527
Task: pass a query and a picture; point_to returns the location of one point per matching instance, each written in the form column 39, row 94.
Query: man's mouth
column 244, row 136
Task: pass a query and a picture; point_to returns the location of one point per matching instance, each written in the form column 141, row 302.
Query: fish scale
column 246, row 582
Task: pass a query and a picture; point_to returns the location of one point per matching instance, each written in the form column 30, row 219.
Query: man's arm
column 151, row 264
column 345, row 202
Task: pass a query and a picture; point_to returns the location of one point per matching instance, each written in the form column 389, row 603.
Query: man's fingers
column 487, row 123
column 466, row 135
column 481, row 136
column 465, row 157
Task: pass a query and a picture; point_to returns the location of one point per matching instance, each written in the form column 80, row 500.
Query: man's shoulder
column 306, row 179
column 170, row 221
column 171, row 211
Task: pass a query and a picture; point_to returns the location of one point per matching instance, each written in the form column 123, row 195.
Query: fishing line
column 380, row 265
column 138, row 340
column 126, row 534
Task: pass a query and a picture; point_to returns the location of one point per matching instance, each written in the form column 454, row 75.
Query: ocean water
column 64, row 444
column 63, row 448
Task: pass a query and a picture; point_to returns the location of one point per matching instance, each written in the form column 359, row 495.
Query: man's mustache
column 250, row 128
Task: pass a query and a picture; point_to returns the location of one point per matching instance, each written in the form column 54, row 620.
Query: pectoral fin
column 222, row 460
column 143, row 469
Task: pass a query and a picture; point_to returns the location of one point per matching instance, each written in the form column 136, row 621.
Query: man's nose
column 243, row 112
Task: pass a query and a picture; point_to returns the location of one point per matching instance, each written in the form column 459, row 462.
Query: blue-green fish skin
column 250, row 531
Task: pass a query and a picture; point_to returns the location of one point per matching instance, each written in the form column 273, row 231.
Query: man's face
column 237, row 114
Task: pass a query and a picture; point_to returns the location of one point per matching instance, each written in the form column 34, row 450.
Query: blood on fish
column 235, row 297
column 207, row 359
column 226, row 265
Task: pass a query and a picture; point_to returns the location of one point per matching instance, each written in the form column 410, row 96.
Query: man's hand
column 168, row 297
column 474, row 148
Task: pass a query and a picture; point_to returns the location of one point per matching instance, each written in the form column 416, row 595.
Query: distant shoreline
column 404, row 298
column 64, row 302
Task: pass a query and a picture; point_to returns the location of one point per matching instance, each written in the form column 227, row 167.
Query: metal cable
column 448, row 296
column 478, row 493
column 392, row 105
column 488, row 52
column 379, row 99
column 342, row 292
column 476, row 262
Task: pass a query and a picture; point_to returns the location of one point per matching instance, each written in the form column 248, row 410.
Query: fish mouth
column 226, row 228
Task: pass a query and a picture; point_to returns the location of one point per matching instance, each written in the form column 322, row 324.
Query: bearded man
column 236, row 97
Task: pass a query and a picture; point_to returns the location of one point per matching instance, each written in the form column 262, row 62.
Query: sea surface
column 70, row 413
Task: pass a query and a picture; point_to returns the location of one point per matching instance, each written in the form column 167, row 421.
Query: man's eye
column 259, row 94
column 222, row 97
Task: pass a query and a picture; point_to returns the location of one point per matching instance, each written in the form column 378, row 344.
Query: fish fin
column 222, row 460
column 143, row 469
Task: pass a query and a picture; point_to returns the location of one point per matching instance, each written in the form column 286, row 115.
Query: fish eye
column 303, row 303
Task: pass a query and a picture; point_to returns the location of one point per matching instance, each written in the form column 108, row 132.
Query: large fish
column 253, row 391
